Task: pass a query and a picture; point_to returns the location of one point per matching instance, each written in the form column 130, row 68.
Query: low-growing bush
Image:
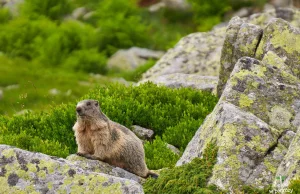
column 159, row 108
column 87, row 61
column 158, row 155
column 295, row 186
column 53, row 9
column 186, row 179
column 5, row 15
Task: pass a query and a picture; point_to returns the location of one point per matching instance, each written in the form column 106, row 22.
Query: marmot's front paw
column 88, row 156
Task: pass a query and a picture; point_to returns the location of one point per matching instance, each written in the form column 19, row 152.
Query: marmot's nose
column 78, row 109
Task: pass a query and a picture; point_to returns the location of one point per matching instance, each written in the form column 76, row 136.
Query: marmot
column 100, row 138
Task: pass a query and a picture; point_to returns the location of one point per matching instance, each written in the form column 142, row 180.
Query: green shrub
column 208, row 13
column 5, row 15
column 87, row 61
column 295, row 185
column 147, row 105
column 53, row 9
column 186, row 179
column 182, row 130
column 120, row 25
column 71, row 36
column 158, row 155
column 22, row 42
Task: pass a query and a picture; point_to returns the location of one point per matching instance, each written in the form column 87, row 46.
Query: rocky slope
column 256, row 119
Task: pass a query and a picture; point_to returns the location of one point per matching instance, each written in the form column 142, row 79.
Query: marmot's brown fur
column 98, row 137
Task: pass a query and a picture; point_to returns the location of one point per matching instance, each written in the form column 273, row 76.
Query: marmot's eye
column 96, row 104
column 88, row 103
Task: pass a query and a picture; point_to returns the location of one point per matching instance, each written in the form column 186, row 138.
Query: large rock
column 242, row 39
column 254, row 112
column 256, row 121
column 102, row 167
column 177, row 80
column 196, row 53
column 132, row 58
column 28, row 172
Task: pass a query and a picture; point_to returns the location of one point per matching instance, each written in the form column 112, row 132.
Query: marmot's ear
column 96, row 103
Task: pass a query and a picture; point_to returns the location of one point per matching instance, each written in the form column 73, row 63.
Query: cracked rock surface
column 256, row 121
column 28, row 172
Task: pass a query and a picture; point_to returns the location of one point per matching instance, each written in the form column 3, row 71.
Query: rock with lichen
column 178, row 80
column 255, row 122
column 254, row 114
column 196, row 53
column 200, row 53
column 102, row 167
column 130, row 59
column 243, row 39
column 28, row 172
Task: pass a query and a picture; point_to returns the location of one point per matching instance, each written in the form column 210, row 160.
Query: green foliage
column 87, row 61
column 189, row 178
column 182, row 130
column 121, row 25
column 251, row 190
column 33, row 82
column 158, row 155
column 5, row 15
column 53, row 9
column 208, row 13
column 295, row 185
column 147, row 105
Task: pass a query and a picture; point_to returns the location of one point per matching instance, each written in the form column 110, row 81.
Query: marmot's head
column 88, row 109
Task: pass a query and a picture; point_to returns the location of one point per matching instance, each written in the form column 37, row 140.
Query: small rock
column 143, row 133
column 88, row 15
column 22, row 112
column 243, row 12
column 79, row 12
column 12, row 87
column 54, row 92
column 1, row 94
column 173, row 149
column 132, row 58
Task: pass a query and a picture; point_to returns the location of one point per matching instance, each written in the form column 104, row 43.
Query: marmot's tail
column 152, row 174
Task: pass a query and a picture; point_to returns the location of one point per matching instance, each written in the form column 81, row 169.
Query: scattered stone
column 132, row 58
column 174, row 149
column 177, row 80
column 1, row 94
column 143, row 133
column 54, row 92
column 23, row 112
column 57, row 175
column 12, row 87
column 79, row 13
column 179, row 5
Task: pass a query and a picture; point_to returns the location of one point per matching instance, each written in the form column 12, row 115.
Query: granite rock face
column 256, row 121
column 196, row 53
column 177, row 80
column 132, row 58
column 28, row 172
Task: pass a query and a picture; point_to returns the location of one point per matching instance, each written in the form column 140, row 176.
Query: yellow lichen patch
column 245, row 101
column 280, row 117
column 50, row 165
column 8, row 153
